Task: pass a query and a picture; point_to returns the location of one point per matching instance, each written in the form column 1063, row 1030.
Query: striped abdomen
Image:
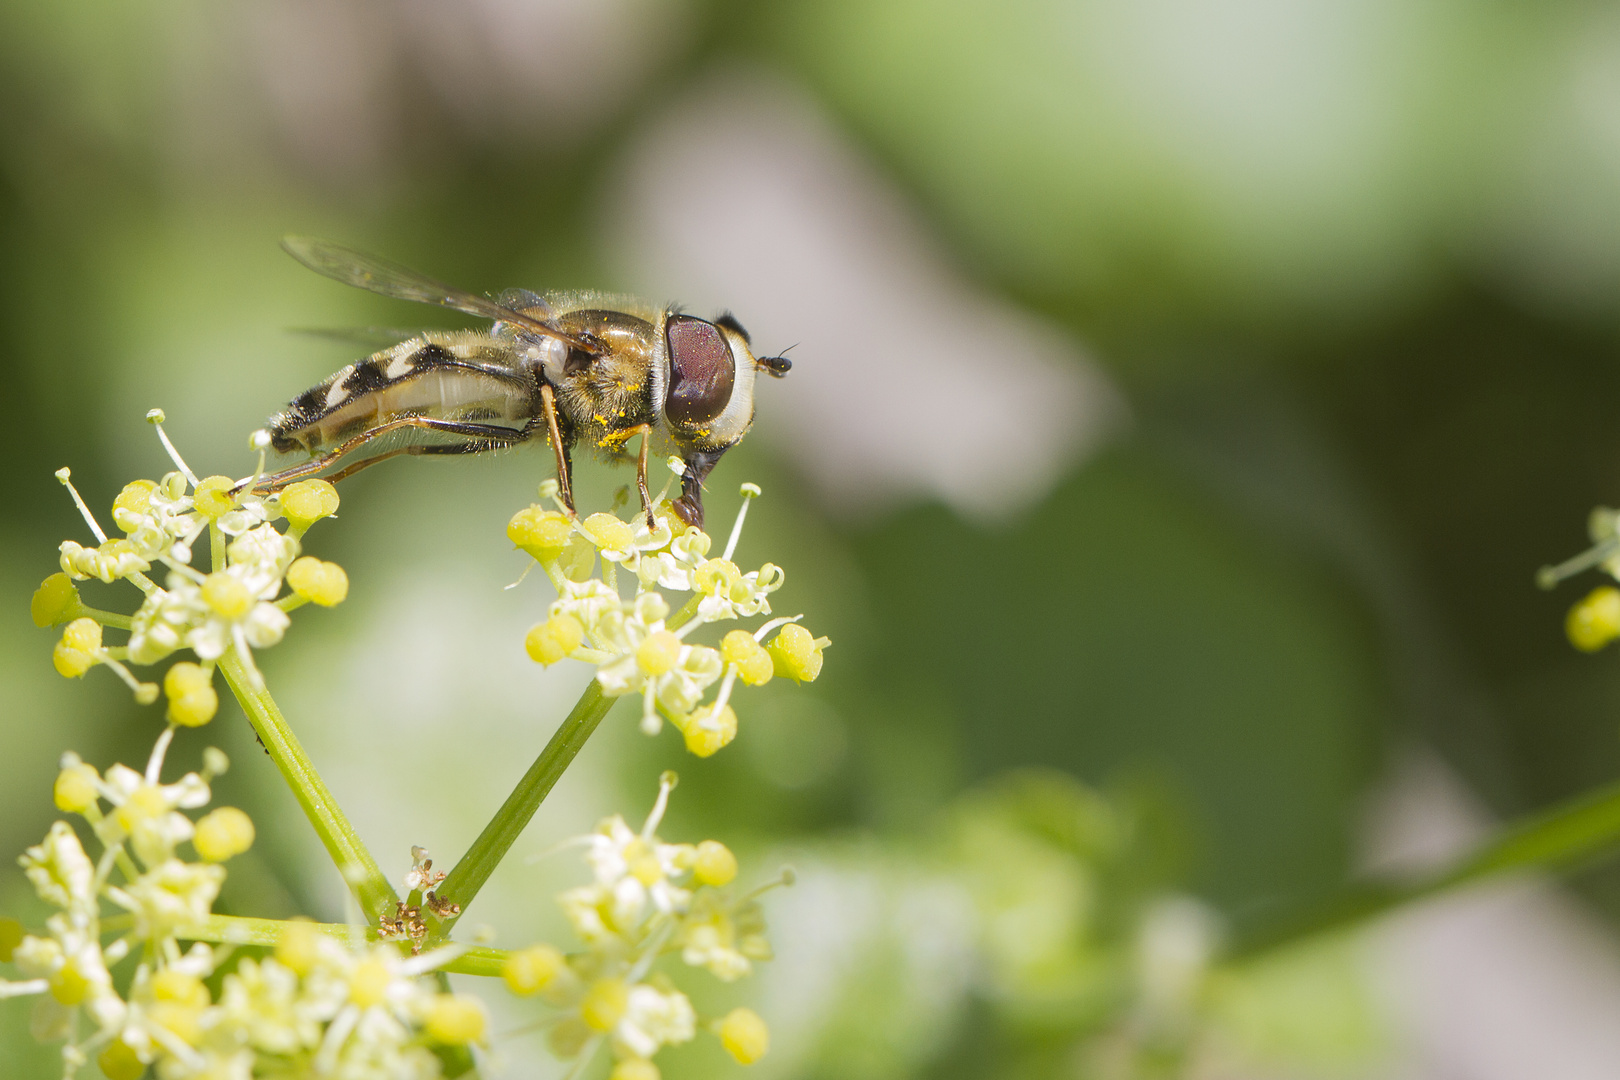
column 450, row 376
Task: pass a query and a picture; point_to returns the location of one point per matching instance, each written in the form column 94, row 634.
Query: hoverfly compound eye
column 702, row 372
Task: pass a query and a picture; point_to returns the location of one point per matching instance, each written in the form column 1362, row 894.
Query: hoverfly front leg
column 640, row 478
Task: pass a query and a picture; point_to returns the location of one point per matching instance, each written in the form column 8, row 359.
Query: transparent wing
column 370, row 337
column 391, row 279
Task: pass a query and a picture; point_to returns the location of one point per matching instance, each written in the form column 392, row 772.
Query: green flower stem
column 370, row 886
column 469, row 875
column 1577, row 831
column 113, row 619
column 238, row 930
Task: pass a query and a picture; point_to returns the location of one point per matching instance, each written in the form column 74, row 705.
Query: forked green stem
column 1579, row 830
column 365, row 879
column 468, row 876
column 240, row 930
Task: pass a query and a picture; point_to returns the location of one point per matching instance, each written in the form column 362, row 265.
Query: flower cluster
column 238, row 605
column 315, row 1008
column 647, row 898
column 639, row 645
column 1594, row 621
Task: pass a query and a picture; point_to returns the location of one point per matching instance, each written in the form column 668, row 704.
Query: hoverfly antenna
column 778, row 365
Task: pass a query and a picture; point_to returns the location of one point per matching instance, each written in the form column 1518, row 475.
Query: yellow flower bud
column 182, row 1021
column 136, row 498
column 554, row 639
column 754, row 665
column 195, row 708
column 745, row 1036
column 456, row 1018
column 192, row 698
column 715, row 864
column 634, row 1069
column 542, row 533
column 1595, row 621
column 529, row 971
column 368, row 983
column 11, row 935
column 180, row 988
column 604, row 1003
column 607, row 531
column 75, row 789
column 568, row 1037
column 717, row 577
column 212, row 498
column 227, row 596
column 119, row 1061
column 307, row 501
column 323, row 583
column 68, row 984
column 143, row 804
column 299, row 946
column 74, row 654
column 658, row 653
column 705, row 733
column 55, row 597
column 224, row 833
column 795, row 654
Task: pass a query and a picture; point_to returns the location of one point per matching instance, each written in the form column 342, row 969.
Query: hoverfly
column 574, row 367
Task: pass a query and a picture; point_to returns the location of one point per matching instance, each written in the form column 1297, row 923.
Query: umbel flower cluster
column 113, row 981
column 115, row 985
column 648, row 898
column 640, row 645
column 237, row 606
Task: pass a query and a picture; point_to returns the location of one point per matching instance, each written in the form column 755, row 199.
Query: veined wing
column 391, row 279
column 370, row 337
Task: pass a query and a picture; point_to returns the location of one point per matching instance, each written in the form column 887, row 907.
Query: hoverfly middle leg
column 565, row 468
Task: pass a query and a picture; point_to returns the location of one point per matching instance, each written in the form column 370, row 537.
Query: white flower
column 171, row 895
column 729, row 594
column 673, row 569
column 653, row 1019
column 112, row 560
column 588, row 601
column 61, row 872
column 148, row 814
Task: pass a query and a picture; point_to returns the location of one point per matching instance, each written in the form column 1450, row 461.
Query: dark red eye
column 701, row 371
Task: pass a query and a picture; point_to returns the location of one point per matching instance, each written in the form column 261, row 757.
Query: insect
column 588, row 367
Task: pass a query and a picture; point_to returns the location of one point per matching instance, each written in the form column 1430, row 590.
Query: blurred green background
column 1352, row 269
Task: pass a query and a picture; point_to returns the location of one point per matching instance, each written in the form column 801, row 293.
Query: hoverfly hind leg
column 478, row 437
